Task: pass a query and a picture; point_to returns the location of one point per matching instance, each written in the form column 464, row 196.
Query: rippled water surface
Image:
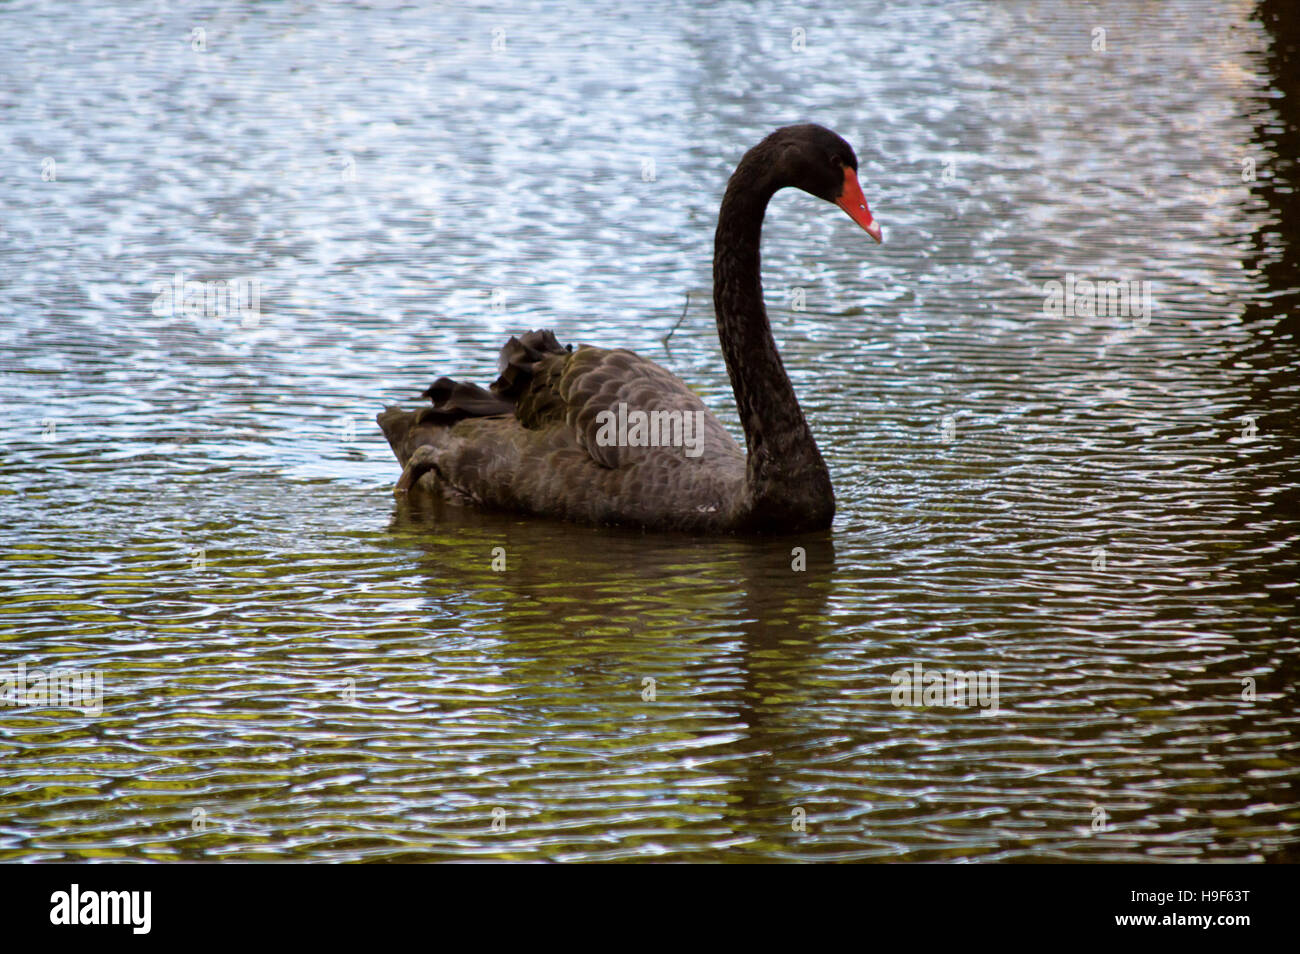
column 1100, row 509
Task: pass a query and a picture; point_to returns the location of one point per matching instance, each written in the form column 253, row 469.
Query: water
column 1099, row 509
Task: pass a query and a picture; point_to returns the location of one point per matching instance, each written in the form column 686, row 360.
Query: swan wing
column 618, row 406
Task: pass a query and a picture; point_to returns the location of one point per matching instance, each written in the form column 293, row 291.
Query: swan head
column 816, row 160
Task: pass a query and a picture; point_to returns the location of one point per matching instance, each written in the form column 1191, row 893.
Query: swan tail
column 452, row 401
column 419, row 437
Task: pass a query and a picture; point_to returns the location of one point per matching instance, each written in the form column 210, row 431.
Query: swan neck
column 786, row 479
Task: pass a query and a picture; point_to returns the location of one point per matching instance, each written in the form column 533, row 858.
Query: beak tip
column 854, row 203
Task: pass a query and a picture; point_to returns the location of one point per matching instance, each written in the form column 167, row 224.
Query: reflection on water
column 1100, row 509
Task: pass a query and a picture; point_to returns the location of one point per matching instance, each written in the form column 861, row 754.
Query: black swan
column 609, row 437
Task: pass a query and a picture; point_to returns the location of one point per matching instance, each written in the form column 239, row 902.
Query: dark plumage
column 538, row 441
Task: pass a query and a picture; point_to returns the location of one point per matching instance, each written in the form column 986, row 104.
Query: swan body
column 551, row 437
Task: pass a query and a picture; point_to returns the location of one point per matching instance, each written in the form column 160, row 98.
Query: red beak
column 853, row 202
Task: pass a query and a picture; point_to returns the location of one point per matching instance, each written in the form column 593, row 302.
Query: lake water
column 1097, row 506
